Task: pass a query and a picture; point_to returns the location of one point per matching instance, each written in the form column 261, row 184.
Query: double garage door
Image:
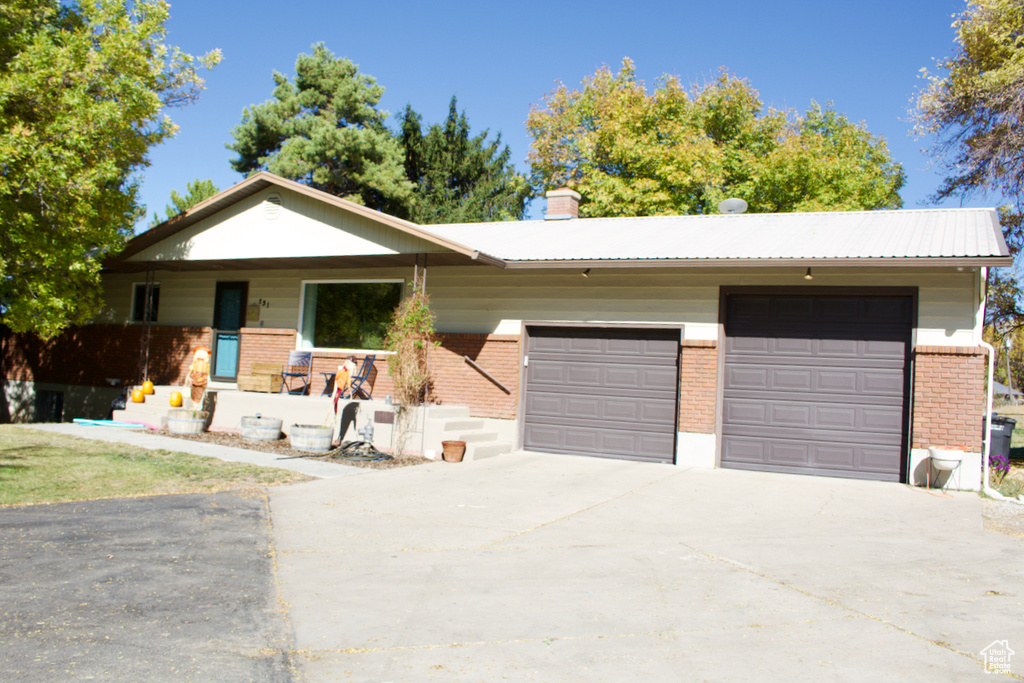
column 812, row 384
column 816, row 384
column 607, row 392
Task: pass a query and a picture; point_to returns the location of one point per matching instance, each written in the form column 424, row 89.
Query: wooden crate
column 263, row 377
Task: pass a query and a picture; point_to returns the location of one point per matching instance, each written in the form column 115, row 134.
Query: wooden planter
column 312, row 438
column 261, row 428
column 184, row 421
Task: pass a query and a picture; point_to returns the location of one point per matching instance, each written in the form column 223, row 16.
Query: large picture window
column 347, row 315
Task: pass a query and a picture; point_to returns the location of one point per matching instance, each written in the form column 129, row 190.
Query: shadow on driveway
column 165, row 588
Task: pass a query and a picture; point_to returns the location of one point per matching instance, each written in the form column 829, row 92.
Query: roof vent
column 732, row 205
column 272, row 207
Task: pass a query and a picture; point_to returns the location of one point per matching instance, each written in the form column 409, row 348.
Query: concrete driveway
column 535, row 567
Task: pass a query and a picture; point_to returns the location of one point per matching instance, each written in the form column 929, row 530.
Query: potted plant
column 186, row 421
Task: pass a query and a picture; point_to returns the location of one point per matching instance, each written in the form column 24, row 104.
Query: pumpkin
column 147, row 388
column 138, row 396
column 175, row 399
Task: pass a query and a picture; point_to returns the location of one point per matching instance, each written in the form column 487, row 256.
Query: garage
column 607, row 392
column 817, row 383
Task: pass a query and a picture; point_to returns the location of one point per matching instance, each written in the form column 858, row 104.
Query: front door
column 228, row 318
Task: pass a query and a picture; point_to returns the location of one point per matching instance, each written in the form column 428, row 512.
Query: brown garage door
column 607, row 392
column 816, row 384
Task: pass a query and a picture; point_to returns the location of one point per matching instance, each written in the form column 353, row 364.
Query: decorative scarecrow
column 199, row 375
column 343, row 380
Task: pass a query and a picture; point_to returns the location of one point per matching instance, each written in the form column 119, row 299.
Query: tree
column 634, row 153
column 324, row 130
column 974, row 108
column 82, row 88
column 458, row 178
column 195, row 192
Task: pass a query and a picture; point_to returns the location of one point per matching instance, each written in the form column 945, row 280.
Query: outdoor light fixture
column 807, row 275
column 586, row 273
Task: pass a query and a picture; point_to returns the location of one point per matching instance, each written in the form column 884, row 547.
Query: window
column 347, row 315
column 139, row 302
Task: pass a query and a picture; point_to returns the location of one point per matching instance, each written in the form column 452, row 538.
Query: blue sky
column 499, row 58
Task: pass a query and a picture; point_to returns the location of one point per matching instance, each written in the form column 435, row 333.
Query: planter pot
column 186, row 421
column 945, row 460
column 312, row 438
column 453, row 450
column 261, row 428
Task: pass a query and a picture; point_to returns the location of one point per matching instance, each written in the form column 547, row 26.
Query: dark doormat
column 165, row 588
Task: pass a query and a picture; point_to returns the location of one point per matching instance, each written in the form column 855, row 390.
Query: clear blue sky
column 499, row 58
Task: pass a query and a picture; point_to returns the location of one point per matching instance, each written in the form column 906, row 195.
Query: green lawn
column 41, row 467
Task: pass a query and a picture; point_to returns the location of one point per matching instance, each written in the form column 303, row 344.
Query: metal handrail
column 487, row 374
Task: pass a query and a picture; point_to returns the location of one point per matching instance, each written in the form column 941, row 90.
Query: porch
column 429, row 425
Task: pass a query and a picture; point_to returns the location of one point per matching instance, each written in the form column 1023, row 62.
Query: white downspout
column 988, row 424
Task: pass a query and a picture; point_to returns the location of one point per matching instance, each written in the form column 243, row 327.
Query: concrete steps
column 454, row 424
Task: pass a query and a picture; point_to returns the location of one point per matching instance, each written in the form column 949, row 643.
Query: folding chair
column 299, row 369
column 365, row 375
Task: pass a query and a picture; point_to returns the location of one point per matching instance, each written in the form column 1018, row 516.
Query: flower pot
column 312, row 438
column 184, row 421
column 261, row 428
column 452, row 451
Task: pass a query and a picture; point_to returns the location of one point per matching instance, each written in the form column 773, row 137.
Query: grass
column 1013, row 483
column 41, row 467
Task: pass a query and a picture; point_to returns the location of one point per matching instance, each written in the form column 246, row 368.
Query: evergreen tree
column 324, row 130
column 459, row 178
column 195, row 192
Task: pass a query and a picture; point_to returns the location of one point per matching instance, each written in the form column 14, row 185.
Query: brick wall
column 949, row 397
column 455, row 381
column 90, row 354
column 698, row 386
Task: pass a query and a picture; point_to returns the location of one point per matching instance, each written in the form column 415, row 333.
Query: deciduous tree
column 82, row 89
column 973, row 106
column 459, row 178
column 673, row 151
column 324, row 129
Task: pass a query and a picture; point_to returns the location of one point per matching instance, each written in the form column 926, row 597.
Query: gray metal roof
column 753, row 239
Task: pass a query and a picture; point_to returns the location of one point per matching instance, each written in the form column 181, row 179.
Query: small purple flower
column 999, row 463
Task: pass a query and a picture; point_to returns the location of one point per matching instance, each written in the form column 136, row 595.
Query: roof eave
column 877, row 262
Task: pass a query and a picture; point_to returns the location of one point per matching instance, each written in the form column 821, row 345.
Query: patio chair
column 362, row 381
column 298, row 373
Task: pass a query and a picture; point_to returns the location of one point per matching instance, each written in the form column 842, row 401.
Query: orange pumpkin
column 147, row 388
column 138, row 396
column 175, row 399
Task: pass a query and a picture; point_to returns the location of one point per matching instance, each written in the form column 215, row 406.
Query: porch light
column 586, row 273
column 807, row 275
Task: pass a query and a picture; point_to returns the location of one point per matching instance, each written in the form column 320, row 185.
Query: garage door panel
column 816, row 383
column 607, row 392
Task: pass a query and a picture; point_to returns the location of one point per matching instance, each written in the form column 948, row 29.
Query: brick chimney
column 563, row 204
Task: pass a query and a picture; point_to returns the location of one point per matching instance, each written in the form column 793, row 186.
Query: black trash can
column 1002, row 432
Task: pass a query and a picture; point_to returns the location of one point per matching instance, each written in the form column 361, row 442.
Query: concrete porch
column 428, row 425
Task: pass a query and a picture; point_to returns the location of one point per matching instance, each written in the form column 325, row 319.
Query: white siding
column 303, row 227
column 488, row 300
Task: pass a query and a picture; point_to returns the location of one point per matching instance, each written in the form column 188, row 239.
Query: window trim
column 357, row 281
column 131, row 310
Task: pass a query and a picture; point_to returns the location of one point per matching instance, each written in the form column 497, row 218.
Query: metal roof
column 916, row 237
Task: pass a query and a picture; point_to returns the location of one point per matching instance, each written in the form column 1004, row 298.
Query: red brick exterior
column 949, row 397
column 698, row 386
column 455, row 381
column 91, row 354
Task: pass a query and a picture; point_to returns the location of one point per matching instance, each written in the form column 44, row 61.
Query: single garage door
column 608, row 392
column 816, row 384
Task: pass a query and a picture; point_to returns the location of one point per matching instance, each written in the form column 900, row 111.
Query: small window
column 139, row 303
column 347, row 315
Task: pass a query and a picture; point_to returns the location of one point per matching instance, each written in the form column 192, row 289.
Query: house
column 840, row 344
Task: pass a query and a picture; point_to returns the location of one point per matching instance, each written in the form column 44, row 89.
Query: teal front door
column 228, row 318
